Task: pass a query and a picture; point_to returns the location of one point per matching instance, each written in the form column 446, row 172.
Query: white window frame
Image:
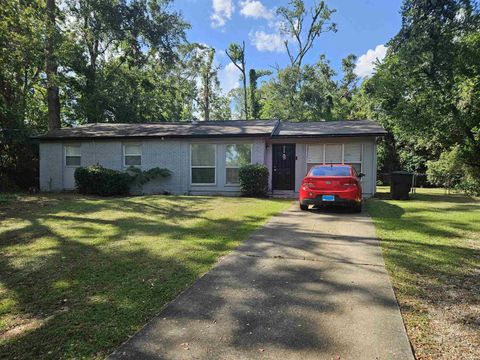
column 343, row 155
column 65, row 155
column 235, row 167
column 203, row 166
column 125, row 155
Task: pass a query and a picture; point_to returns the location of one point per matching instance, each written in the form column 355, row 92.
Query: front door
column 283, row 177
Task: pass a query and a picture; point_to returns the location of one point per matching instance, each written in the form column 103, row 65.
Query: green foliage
column 430, row 245
column 426, row 90
column 447, row 171
column 22, row 95
column 141, row 177
column 236, row 54
column 212, row 104
column 97, row 180
column 254, row 180
column 320, row 96
column 451, row 171
column 255, row 105
column 304, row 26
column 123, row 32
column 108, row 264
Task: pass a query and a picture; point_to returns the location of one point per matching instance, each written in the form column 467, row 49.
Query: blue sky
column 364, row 27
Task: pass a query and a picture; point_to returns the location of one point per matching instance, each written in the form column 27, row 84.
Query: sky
column 364, row 28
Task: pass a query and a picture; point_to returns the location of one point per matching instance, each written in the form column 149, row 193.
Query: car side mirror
column 361, row 175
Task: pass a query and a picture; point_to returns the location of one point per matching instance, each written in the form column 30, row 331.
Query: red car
column 335, row 184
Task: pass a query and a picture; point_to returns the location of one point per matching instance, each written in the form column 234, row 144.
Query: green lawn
column 431, row 246
column 78, row 275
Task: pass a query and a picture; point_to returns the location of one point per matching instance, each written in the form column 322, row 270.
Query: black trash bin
column 400, row 184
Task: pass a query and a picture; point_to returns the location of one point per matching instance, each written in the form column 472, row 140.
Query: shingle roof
column 167, row 130
column 330, row 129
column 226, row 128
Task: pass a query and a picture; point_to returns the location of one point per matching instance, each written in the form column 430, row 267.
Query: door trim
column 293, row 168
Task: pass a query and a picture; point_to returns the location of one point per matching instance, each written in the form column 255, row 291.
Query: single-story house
column 204, row 157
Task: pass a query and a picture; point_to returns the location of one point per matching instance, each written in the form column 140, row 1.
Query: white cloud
column 267, row 42
column 229, row 77
column 222, row 11
column 255, row 9
column 365, row 65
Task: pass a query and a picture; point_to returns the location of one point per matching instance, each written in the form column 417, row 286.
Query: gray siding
column 51, row 166
column 175, row 156
column 368, row 162
column 258, row 149
column 171, row 154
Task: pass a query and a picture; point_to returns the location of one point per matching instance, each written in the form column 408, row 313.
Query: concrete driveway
column 308, row 285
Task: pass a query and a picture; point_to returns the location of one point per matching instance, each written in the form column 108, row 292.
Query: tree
column 208, row 74
column 304, row 27
column 427, row 86
column 22, row 97
column 301, row 28
column 320, row 98
column 254, row 75
column 130, row 31
column 236, row 54
column 348, row 85
column 347, row 88
column 53, row 98
column 447, row 170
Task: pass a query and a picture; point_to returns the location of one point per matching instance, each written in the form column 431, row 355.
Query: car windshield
column 330, row 171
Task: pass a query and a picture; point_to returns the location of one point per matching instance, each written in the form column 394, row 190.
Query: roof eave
column 117, row 137
column 378, row 134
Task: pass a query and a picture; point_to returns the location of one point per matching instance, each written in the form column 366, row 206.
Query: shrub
column 452, row 171
column 447, row 171
column 142, row 177
column 254, row 180
column 97, row 180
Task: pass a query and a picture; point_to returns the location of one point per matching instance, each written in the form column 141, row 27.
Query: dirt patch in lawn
column 453, row 320
column 431, row 248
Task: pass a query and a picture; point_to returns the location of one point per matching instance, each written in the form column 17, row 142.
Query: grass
column 431, row 246
column 78, row 275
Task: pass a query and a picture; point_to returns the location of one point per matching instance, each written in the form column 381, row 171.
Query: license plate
column 328, row 198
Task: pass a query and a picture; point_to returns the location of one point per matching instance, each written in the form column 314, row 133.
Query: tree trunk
column 244, row 81
column 53, row 98
column 206, row 99
column 245, row 91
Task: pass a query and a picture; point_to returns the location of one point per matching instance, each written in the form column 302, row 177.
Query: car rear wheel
column 357, row 207
column 303, row 207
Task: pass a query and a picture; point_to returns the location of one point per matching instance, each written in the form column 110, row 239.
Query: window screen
column 236, row 155
column 203, row 163
column 353, row 156
column 315, row 154
column 133, row 154
column 73, row 155
column 333, row 154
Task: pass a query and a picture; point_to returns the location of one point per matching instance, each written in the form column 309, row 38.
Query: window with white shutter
column 315, row 155
column 352, row 155
column 333, row 153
